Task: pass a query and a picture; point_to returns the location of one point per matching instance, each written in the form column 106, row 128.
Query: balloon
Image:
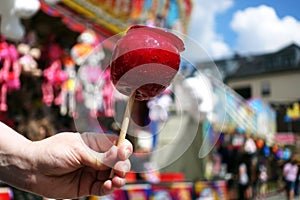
column 275, row 148
column 260, row 143
column 266, row 150
column 286, row 154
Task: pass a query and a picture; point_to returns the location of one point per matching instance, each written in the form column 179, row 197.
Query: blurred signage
column 285, row 138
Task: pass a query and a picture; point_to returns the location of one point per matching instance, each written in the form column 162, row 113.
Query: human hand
column 70, row 165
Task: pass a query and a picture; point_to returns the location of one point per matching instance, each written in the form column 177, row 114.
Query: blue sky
column 223, row 27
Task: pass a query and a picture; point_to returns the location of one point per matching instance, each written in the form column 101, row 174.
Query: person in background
column 65, row 165
column 262, row 180
column 290, row 171
column 244, row 179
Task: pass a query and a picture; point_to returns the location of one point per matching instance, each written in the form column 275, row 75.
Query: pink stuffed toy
column 54, row 76
column 9, row 73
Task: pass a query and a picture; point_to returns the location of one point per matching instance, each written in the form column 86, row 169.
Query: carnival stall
column 56, row 60
column 55, row 67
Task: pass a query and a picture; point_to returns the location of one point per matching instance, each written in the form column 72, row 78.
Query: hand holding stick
column 125, row 124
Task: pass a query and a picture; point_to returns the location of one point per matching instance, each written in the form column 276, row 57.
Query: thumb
column 96, row 160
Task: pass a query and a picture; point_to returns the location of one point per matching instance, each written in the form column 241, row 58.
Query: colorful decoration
column 28, row 59
column 286, row 154
column 293, row 113
column 12, row 11
column 111, row 17
column 176, row 190
column 252, row 117
column 266, row 151
column 54, row 76
column 137, row 9
column 90, row 75
column 211, row 190
column 138, row 192
column 260, row 143
column 88, row 56
column 279, row 154
column 86, row 43
column 275, row 148
column 9, row 73
column 264, row 118
column 69, row 88
column 250, row 146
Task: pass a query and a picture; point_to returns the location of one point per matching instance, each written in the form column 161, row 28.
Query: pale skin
column 66, row 165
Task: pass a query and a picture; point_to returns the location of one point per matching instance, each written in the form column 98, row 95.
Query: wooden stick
column 126, row 120
column 125, row 124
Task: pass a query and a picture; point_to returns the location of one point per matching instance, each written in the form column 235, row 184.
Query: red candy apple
column 145, row 61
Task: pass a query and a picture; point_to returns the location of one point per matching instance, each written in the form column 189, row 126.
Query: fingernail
column 127, row 153
column 125, row 168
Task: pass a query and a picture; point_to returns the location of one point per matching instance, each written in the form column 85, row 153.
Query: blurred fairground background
column 234, row 104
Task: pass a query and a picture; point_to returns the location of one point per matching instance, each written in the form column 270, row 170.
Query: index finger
column 99, row 142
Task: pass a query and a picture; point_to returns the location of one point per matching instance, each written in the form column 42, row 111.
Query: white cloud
column 259, row 29
column 202, row 28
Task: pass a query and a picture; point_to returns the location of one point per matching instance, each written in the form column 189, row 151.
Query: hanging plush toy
column 28, row 59
column 86, row 42
column 91, row 77
column 88, row 56
column 69, row 88
column 9, row 73
column 54, row 76
column 11, row 11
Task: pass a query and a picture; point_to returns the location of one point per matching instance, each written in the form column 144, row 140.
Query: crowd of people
column 255, row 180
column 256, row 173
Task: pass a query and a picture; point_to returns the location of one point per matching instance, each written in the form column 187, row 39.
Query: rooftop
column 285, row 59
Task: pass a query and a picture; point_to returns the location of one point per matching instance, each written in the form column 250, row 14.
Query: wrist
column 16, row 164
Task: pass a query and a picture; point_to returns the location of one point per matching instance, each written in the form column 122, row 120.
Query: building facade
column 273, row 77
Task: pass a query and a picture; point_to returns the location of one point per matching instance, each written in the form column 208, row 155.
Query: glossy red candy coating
column 145, row 60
